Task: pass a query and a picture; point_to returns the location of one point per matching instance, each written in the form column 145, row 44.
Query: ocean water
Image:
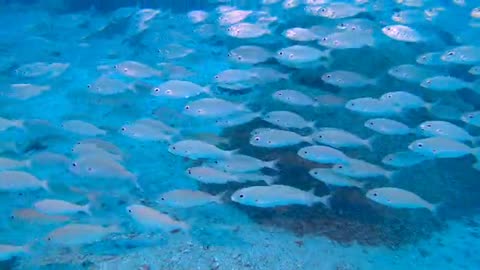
column 181, row 135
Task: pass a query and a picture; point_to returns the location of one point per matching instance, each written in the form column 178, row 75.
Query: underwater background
column 242, row 134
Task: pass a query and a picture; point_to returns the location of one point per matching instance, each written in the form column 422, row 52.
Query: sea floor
column 253, row 246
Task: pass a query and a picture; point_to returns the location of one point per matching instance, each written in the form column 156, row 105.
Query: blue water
column 78, row 77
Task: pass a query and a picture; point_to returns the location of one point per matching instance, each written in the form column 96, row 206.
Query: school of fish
column 142, row 105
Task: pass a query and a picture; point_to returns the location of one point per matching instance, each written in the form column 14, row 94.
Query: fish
column 293, row 97
column 152, row 220
column 276, row 138
column 357, row 168
column 387, row 126
column 275, row 196
column 176, row 89
column 60, row 207
column 7, row 252
column 445, row 84
column 209, row 175
column 13, row 181
column 402, row 33
column 242, row 164
column 77, row 234
column 300, row 34
column 403, row 159
column 287, row 119
column 301, row 56
column 236, row 79
column 323, row 154
column 369, row 106
column 339, row 138
column 249, row 55
column 330, row 178
column 445, row 129
column 81, row 127
column 184, row 198
column 347, row 79
column 196, row 149
column 399, row 198
column 213, row 108
column 440, row 147
column 244, row 30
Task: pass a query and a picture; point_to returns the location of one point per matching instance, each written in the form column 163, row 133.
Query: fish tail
column 219, row 197
column 325, row 200
column 45, row 186
column 19, row 123
column 270, row 180
column 369, row 142
column 272, row 164
column 87, row 209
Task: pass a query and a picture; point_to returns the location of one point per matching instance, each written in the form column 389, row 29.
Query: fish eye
column 315, row 173
column 320, row 136
column 216, row 77
column 323, row 10
column 329, row 76
column 340, row 166
column 420, row 145
column 156, row 89
column 324, row 39
column 189, row 171
column 429, row 81
column 129, row 210
column 470, row 116
column 389, row 28
column 257, row 139
column 371, row 123
column 239, row 58
column 123, row 129
column 187, row 107
column 90, row 169
column 241, row 196
column 305, row 152
column 429, row 125
column 281, row 53
column 115, row 66
column 352, row 104
column 89, row 86
column 375, row 194
column 450, row 53
column 173, row 147
column 74, row 164
column 163, row 199
column 49, row 239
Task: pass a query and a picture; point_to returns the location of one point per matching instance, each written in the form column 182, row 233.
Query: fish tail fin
column 114, row 229
column 431, row 105
column 207, row 90
column 270, row 180
column 434, row 208
column 309, row 139
column 369, row 142
column 272, row 164
column 311, row 124
column 390, row 175
column 233, row 152
column 325, row 200
column 219, row 197
column 45, row 186
column 19, row 123
column 87, row 209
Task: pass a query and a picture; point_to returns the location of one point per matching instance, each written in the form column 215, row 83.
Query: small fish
column 148, row 130
column 445, row 129
column 300, row 34
column 183, row 198
column 213, row 108
column 409, row 73
column 301, row 56
column 475, row 70
column 330, row 178
column 399, row 198
column 347, row 79
column 209, row 175
column 431, row 59
column 60, row 207
column 409, row 16
column 293, row 97
column 405, row 100
column 440, row 147
column 233, row 16
column 12, row 164
column 275, row 196
column 136, row 70
column 445, row 84
column 76, row 234
column 402, row 33
column 105, row 86
column 42, row 70
column 12, row 181
column 8, row 252
column 403, row 159
column 249, row 54
column 323, row 154
column 347, row 40
column 237, row 119
column 471, row 118
column 247, row 30
column 25, row 91
column 336, row 10
column 286, row 119
column 197, row 16
column 266, row 75
column 196, row 149
column 6, row 124
column 81, row 127
column 464, row 55
column 339, row 138
column 243, row 164
column 475, row 13
column 236, row 79
column 371, row 107
column 275, row 138
column 387, row 126
column 357, row 168
column 153, row 220
column 176, row 89
column 358, row 25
